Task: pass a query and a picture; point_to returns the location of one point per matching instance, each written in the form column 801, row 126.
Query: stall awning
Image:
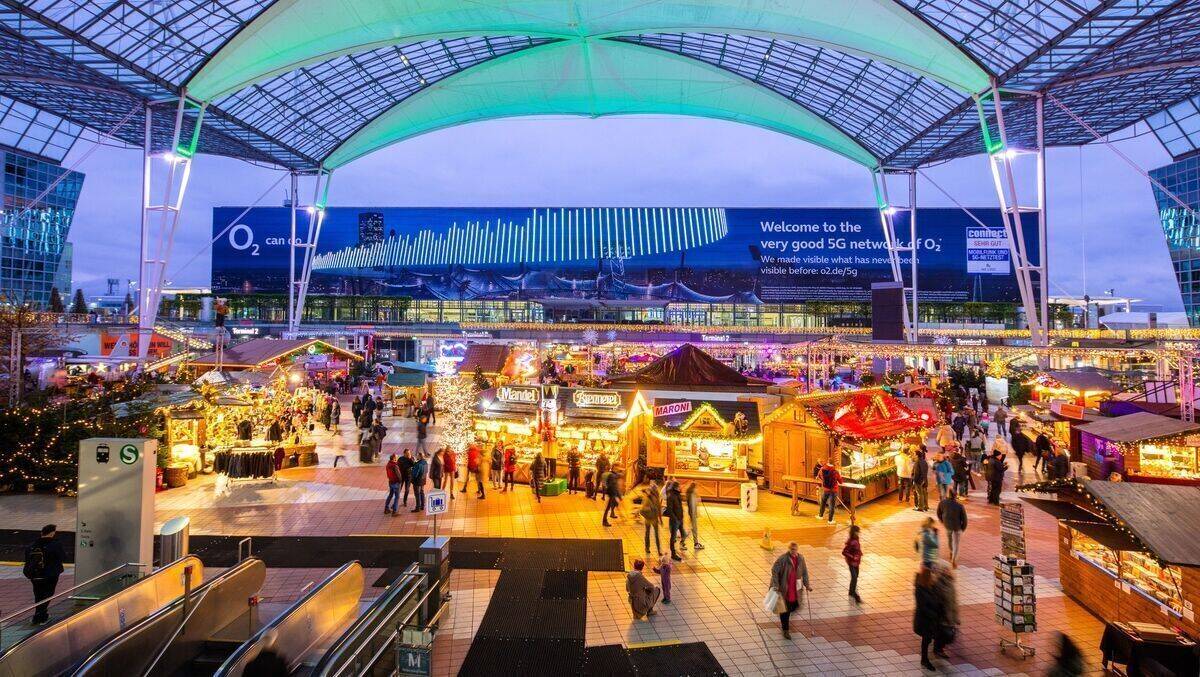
column 696, row 419
column 1163, row 517
column 260, row 351
column 1105, row 534
column 406, row 379
column 488, row 358
column 1084, row 380
column 1138, row 427
column 868, row 414
column 688, row 366
column 1063, row 510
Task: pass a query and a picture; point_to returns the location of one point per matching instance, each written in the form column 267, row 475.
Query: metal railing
column 17, row 625
column 370, row 645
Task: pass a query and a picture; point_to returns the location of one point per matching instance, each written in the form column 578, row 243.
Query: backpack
column 827, row 479
column 35, row 562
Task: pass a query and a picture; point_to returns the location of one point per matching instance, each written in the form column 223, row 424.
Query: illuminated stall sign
column 529, row 395
column 596, row 399
column 672, row 409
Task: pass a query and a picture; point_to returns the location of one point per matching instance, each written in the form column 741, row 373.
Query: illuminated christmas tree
column 455, row 396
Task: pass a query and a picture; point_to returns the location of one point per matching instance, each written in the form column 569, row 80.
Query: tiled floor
column 717, row 593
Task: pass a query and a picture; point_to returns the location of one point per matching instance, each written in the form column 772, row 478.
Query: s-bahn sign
column 596, row 399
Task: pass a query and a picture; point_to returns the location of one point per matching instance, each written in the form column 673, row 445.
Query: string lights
column 456, row 397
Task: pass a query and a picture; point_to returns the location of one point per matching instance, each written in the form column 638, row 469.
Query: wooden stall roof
column 260, row 351
column 689, row 367
column 488, row 357
column 867, row 414
column 725, row 411
column 1163, row 517
column 1137, row 427
column 1082, row 380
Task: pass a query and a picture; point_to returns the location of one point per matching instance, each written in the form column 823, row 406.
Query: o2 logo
column 241, row 238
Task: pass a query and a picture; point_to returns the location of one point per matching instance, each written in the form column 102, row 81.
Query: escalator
column 305, row 630
column 193, row 635
column 56, row 648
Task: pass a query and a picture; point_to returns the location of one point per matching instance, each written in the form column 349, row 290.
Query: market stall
column 1084, row 387
column 1127, row 552
column 860, row 431
column 509, row 415
column 268, row 354
column 1058, row 420
column 595, row 421
column 921, row 398
column 709, row 442
column 1142, row 447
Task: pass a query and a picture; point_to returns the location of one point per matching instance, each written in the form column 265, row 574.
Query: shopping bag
column 771, row 601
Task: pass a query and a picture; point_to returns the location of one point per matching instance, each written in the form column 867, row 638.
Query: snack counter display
column 595, row 421
column 861, row 431
column 1142, row 447
column 508, row 415
column 708, row 442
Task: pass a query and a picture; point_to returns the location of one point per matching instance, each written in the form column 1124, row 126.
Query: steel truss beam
column 1032, row 280
column 895, row 247
column 160, row 220
column 298, row 285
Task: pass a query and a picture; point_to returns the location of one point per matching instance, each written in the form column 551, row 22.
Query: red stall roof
column 869, row 414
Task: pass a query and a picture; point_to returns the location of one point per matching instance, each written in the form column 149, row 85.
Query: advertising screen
column 681, row 254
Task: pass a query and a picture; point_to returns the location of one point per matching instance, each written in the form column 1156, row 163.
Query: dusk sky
column 644, row 161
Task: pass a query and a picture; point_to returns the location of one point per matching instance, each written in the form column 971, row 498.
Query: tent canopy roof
column 305, row 83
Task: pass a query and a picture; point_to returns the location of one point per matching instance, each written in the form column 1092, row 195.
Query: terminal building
column 1178, row 128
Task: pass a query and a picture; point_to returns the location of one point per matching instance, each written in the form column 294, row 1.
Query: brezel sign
column 596, row 399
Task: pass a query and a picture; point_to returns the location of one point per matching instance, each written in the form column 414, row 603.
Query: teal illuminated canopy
column 292, row 33
column 593, row 78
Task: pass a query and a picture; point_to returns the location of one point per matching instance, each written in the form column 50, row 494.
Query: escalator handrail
column 67, row 593
column 197, row 595
column 369, row 619
column 254, row 641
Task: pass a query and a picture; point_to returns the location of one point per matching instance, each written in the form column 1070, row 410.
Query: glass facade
column 39, row 200
column 1181, row 228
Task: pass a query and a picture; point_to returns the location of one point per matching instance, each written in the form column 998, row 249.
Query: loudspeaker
column 887, row 312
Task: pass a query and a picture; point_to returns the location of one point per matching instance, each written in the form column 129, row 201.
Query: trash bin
column 748, row 497
column 173, row 539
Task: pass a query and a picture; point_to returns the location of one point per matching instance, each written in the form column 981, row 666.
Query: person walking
column 788, row 573
column 674, row 512
column 420, row 471
column 927, row 613
column 974, row 445
column 1060, row 465
column 691, row 496
column 449, row 471
column 954, row 519
column 406, row 464
column 643, row 595
column 664, row 574
column 904, row 471
column 943, row 472
column 497, row 468
column 43, row 565
column 962, row 474
column 537, row 470
column 852, row 553
column 510, row 468
column 946, row 435
column 947, row 590
column 612, row 492
column 831, row 486
column 573, row 459
column 995, row 467
column 394, row 480
column 474, row 469
column 1043, row 451
column 1014, row 427
column 1001, row 419
column 652, row 518
column 926, row 543
column 437, row 468
column 422, row 433
column 1068, row 659
column 920, row 480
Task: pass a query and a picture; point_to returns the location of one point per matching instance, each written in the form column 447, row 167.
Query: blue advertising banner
column 676, row 254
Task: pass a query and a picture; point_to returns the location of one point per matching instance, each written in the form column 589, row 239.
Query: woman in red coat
column 474, row 469
column 450, row 470
column 510, row 467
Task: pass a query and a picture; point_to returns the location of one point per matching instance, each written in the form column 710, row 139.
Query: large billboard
column 679, row 254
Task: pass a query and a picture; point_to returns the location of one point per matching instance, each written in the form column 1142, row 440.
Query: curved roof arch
column 290, row 34
column 593, row 78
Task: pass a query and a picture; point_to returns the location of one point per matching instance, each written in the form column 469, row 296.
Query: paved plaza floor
column 718, row 591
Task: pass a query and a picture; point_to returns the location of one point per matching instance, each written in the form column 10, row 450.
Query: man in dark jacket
column 920, row 480
column 954, row 518
column 612, row 490
column 420, row 470
column 994, row 470
column 43, row 565
column 406, row 464
column 674, row 513
column 1059, row 465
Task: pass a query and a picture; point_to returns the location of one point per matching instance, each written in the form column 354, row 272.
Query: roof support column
column 160, row 221
column 298, row 285
column 896, row 247
column 1030, row 269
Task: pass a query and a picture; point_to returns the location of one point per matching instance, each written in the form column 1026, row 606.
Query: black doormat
column 692, row 659
column 564, row 585
column 492, row 657
column 609, row 660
